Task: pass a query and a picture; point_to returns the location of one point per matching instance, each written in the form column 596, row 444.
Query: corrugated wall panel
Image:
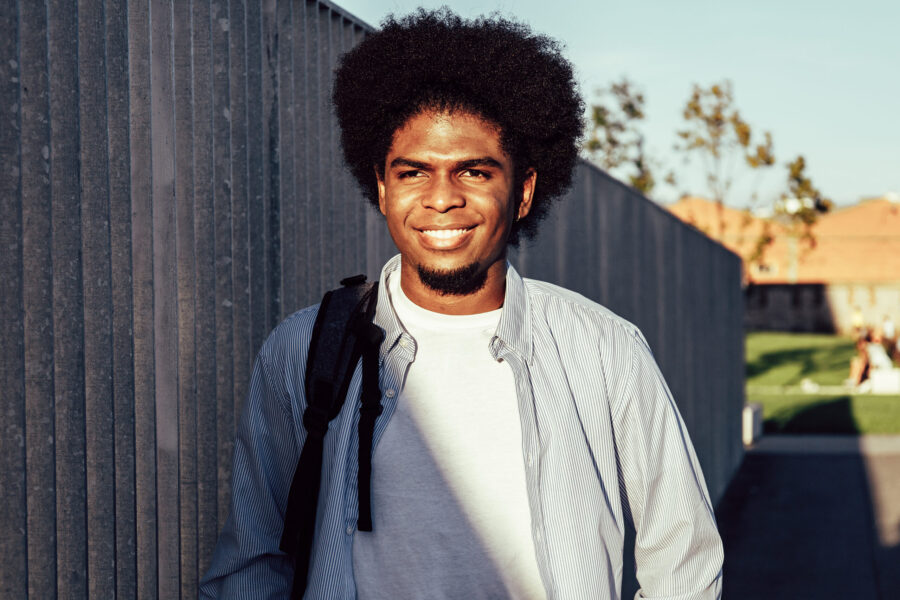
column 312, row 137
column 304, row 205
column 13, row 520
column 240, row 233
column 222, row 215
column 287, row 196
column 185, row 275
column 173, row 188
column 122, row 299
column 96, row 273
column 68, row 305
column 256, row 212
column 165, row 295
column 142, row 284
column 37, row 302
column 204, row 283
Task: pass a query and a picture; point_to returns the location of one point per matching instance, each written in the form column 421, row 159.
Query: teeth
column 444, row 234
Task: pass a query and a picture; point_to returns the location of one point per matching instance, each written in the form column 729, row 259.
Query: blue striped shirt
column 601, row 436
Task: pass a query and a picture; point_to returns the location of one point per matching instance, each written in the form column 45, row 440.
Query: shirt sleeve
column 678, row 551
column 246, row 562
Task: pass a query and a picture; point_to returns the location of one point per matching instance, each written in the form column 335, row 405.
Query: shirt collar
column 385, row 316
column 513, row 331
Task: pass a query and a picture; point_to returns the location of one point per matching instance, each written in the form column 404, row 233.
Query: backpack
column 342, row 334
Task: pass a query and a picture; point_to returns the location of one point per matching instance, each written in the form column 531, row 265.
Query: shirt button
column 403, row 343
column 530, row 460
column 350, row 529
column 390, row 393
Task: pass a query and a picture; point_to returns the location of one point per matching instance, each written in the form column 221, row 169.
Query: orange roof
column 736, row 229
column 859, row 244
column 870, row 218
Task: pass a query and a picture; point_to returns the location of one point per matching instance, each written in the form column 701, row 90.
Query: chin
column 457, row 281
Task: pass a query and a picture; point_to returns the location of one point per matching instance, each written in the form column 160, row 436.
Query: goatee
column 453, row 282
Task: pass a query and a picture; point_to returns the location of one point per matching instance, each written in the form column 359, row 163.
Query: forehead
column 450, row 134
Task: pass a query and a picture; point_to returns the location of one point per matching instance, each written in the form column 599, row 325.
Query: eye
column 474, row 173
column 410, row 174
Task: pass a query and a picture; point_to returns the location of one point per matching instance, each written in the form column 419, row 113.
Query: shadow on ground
column 834, row 416
column 813, row 360
column 803, row 525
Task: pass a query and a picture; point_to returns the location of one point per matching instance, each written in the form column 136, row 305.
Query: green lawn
column 782, row 372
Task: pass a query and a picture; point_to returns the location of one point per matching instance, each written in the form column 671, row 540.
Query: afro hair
column 490, row 66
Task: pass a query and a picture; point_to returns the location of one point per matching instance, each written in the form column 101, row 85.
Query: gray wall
column 170, row 188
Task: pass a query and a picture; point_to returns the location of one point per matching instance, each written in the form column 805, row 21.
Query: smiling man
column 522, row 424
column 450, row 200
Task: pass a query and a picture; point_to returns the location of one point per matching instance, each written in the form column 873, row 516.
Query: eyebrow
column 485, row 161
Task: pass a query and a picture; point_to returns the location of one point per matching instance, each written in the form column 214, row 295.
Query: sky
column 823, row 77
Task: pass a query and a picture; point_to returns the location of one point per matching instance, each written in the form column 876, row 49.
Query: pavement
column 814, row 517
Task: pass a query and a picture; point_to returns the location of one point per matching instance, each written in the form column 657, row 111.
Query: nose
column 443, row 194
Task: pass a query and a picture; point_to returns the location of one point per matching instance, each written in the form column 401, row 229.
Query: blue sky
column 823, row 77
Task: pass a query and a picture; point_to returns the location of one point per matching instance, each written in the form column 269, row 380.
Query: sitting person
column 878, row 357
column 872, row 370
column 859, row 364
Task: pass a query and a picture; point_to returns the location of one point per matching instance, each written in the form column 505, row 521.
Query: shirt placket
column 531, row 449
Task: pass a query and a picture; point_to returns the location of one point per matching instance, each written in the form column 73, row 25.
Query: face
column 449, row 200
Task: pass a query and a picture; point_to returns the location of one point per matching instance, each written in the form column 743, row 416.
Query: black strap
column 343, row 331
column 368, row 413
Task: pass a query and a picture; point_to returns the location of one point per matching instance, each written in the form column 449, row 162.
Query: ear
column 380, row 180
column 526, row 194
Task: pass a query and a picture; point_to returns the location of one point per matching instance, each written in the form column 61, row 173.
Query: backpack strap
column 343, row 332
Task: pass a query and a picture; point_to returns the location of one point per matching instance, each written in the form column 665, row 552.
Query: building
column 792, row 285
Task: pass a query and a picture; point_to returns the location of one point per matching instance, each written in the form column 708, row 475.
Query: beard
column 453, row 282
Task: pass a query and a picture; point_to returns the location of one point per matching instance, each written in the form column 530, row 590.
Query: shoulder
column 587, row 330
column 283, row 353
column 556, row 303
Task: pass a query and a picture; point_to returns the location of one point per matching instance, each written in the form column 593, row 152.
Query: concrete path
column 814, row 517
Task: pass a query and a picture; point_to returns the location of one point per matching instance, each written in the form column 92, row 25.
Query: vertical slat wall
column 171, row 187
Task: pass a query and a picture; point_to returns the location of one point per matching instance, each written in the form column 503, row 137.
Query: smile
column 444, row 239
column 444, row 234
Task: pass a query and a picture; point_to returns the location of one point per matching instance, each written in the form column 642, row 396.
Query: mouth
column 444, row 239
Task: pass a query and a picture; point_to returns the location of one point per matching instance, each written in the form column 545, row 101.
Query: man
column 522, row 423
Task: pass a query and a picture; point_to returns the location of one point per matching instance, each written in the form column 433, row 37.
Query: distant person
column 859, row 364
column 889, row 335
column 858, row 323
column 887, row 329
column 522, row 423
column 879, row 358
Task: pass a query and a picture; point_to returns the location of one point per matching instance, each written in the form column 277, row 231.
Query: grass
column 779, row 366
column 776, row 358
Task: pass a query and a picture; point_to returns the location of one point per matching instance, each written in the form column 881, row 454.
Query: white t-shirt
column 450, row 509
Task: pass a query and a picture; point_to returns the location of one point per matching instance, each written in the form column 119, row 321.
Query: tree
column 616, row 142
column 803, row 203
column 716, row 131
column 798, row 209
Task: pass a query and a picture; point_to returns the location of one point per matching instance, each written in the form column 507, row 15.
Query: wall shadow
column 834, row 415
column 811, row 358
column 803, row 522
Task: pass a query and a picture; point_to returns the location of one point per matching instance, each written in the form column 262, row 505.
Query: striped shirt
column 602, row 441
